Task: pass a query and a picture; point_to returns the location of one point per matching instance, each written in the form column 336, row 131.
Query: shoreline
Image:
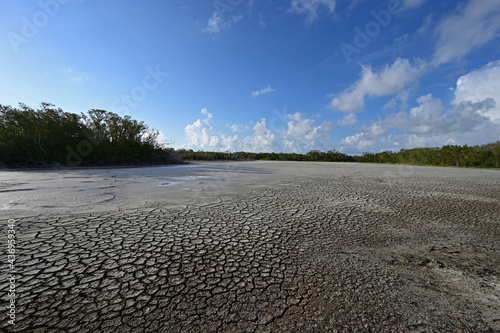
column 188, row 162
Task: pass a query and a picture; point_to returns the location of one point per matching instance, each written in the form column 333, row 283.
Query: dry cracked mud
column 346, row 252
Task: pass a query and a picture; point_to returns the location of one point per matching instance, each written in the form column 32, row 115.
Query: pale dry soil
column 254, row 247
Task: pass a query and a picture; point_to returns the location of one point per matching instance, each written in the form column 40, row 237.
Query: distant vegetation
column 463, row 156
column 485, row 156
column 48, row 137
column 314, row 155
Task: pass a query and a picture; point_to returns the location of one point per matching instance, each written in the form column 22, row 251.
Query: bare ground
column 262, row 247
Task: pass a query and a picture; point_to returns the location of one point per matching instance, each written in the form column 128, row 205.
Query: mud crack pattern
column 316, row 255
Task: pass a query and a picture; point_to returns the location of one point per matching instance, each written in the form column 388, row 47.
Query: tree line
column 314, row 155
column 462, row 156
column 485, row 156
column 48, row 137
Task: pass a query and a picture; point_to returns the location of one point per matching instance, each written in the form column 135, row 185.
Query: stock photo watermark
column 32, row 26
column 280, row 117
column 139, row 93
column 372, row 29
column 11, row 271
column 83, row 149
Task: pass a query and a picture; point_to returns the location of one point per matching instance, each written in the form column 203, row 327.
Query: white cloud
column 348, row 120
column 390, row 80
column 200, row 133
column 359, row 142
column 213, row 25
column 301, row 134
column 427, row 125
column 310, row 8
column 480, row 85
column 431, row 119
column 216, row 23
column 208, row 114
column 400, row 100
column 470, row 27
column 299, row 128
column 263, row 91
column 263, row 139
column 238, row 128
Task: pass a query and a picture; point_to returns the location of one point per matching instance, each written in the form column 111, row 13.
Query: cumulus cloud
column 263, row 91
column 200, row 133
column 263, row 139
column 471, row 26
column 348, row 120
column 388, row 81
column 310, row 8
column 303, row 130
column 401, row 101
column 238, row 128
column 360, row 142
column 480, row 85
column 301, row 134
column 427, row 125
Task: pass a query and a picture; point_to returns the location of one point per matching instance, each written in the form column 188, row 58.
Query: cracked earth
column 329, row 251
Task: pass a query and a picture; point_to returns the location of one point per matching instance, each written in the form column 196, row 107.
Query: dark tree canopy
column 48, row 136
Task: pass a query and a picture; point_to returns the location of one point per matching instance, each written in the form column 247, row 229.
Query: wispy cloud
column 216, row 23
column 311, row 8
column 425, row 25
column 263, row 91
column 262, row 23
column 388, row 81
column 470, row 27
column 354, row 3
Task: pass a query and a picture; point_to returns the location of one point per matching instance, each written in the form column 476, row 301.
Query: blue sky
column 283, row 76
